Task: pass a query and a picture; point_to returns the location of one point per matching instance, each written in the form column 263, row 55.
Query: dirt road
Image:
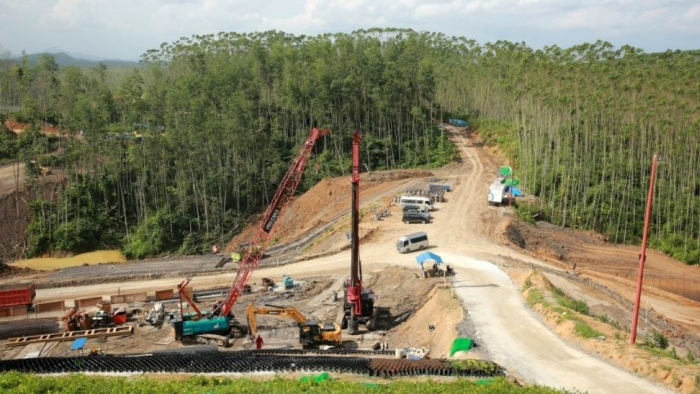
column 513, row 337
column 460, row 232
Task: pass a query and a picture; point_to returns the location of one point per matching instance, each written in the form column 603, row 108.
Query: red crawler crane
column 359, row 302
column 221, row 321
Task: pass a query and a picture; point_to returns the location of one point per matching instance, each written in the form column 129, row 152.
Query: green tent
column 505, row 171
column 511, row 182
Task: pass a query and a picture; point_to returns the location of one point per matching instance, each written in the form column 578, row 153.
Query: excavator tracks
column 241, row 362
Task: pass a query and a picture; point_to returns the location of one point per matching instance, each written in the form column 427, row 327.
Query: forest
column 176, row 154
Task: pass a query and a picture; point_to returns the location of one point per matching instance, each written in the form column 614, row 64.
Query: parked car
column 416, row 208
column 411, row 242
column 415, row 217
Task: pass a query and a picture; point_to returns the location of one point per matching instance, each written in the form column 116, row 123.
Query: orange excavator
column 312, row 334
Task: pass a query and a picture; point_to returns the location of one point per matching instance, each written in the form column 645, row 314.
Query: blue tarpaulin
column 428, row 256
column 78, row 344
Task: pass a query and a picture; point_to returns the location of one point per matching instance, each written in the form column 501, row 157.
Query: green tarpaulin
column 460, row 345
column 511, row 182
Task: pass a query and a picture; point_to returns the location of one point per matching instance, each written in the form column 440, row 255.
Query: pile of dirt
column 19, row 127
column 15, row 214
column 588, row 251
column 328, row 201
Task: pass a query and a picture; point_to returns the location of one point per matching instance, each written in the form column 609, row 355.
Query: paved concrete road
column 521, row 343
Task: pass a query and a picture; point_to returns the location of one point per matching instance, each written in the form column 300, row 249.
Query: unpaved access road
column 506, row 328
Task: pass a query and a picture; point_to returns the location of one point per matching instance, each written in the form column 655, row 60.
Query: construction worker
column 258, row 342
column 215, row 249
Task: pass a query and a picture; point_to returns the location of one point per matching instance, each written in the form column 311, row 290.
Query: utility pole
column 642, row 255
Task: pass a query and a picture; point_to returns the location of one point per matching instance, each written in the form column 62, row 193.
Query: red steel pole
column 642, row 255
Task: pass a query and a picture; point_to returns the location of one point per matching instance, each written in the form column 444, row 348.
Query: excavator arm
column 281, row 311
column 311, row 333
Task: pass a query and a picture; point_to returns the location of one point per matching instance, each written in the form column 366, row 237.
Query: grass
column 534, row 297
column 608, row 320
column 568, row 302
column 584, row 330
column 14, row 382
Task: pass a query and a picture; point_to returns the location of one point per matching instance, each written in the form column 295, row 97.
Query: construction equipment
column 358, row 306
column 288, row 282
column 221, row 320
column 66, row 336
column 17, row 295
column 311, row 333
column 156, row 315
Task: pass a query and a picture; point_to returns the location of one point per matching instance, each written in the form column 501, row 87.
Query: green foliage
column 679, row 247
column 78, row 235
column 567, row 302
column 657, row 340
column 584, row 330
column 606, row 319
column 581, row 140
column 221, row 116
column 534, row 297
column 498, row 132
column 478, row 367
column 530, row 212
column 160, row 232
column 14, row 382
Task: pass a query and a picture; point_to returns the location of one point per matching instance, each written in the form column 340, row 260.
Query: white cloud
column 127, row 28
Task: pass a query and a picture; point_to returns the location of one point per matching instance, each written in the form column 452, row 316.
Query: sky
column 125, row 29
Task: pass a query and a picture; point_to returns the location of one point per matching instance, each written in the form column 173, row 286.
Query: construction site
column 335, row 293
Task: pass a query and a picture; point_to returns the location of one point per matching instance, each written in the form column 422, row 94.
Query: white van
column 423, row 202
column 498, row 192
column 411, row 242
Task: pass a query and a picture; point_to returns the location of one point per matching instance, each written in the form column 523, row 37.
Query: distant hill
column 65, row 60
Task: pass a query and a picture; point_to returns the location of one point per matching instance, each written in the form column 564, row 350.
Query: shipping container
column 17, row 295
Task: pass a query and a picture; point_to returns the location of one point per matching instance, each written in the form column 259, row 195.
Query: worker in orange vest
column 258, row 342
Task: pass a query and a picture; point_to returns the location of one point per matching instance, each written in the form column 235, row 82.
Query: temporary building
column 421, row 258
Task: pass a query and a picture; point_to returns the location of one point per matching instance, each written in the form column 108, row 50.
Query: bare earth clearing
column 499, row 261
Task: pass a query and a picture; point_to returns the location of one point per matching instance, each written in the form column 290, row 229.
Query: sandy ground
column 492, row 255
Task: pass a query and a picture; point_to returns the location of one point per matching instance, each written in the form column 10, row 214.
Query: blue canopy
column 428, row 256
column 78, row 344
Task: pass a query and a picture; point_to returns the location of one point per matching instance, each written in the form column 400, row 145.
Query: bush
column 567, row 302
column 658, row 340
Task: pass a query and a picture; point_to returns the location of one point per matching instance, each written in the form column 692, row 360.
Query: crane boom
column 359, row 303
column 355, row 288
column 221, row 320
column 263, row 233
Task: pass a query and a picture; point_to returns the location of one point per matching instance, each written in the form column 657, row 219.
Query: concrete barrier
column 88, row 302
column 50, row 306
column 13, row 311
column 164, row 294
column 117, row 299
column 136, row 297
